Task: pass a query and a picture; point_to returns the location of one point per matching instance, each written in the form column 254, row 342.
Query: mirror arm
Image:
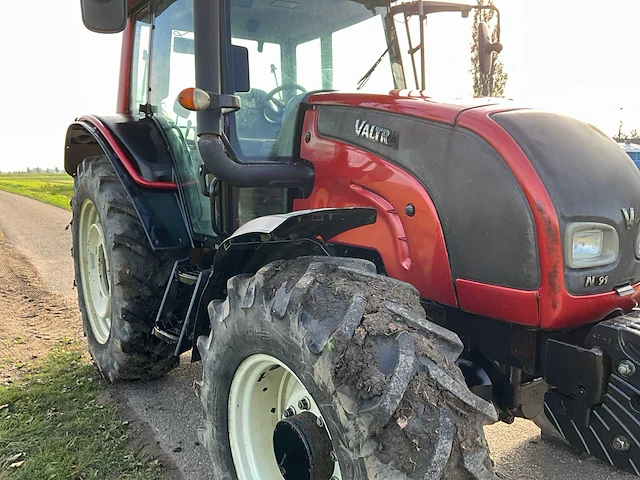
column 497, row 12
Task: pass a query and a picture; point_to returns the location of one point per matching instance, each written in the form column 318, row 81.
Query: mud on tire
column 385, row 379
column 136, row 278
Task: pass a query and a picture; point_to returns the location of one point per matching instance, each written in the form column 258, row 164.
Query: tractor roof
column 430, row 6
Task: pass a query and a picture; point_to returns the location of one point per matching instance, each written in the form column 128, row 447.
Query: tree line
column 34, row 170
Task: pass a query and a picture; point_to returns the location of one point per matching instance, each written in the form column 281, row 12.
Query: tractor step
column 611, row 430
column 167, row 331
column 188, row 276
column 179, row 305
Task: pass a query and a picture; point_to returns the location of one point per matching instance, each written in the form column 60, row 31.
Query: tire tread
column 279, row 296
column 138, row 277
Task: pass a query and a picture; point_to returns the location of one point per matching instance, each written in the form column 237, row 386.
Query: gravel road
column 170, row 408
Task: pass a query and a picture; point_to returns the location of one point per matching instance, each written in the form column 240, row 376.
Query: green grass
column 52, row 428
column 56, row 189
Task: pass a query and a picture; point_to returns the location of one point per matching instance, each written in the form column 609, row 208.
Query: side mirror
column 104, row 16
column 239, row 63
column 486, row 49
column 240, row 59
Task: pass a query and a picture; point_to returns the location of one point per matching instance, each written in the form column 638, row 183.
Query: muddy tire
column 358, row 351
column 120, row 279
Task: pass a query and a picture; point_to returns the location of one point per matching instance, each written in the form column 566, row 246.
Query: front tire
column 120, row 279
column 330, row 338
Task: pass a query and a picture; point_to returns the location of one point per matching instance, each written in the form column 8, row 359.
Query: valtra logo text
column 375, row 133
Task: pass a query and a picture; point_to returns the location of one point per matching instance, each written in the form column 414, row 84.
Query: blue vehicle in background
column 633, row 150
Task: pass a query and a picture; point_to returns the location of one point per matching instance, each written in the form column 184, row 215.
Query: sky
column 572, row 57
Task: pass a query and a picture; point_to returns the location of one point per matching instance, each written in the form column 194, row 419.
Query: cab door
column 163, row 65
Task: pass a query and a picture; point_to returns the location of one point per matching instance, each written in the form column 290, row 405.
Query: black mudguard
column 140, row 155
column 270, row 238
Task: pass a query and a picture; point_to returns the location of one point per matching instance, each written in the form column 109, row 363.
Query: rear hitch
column 602, row 422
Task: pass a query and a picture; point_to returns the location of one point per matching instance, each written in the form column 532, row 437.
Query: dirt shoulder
column 33, row 320
column 41, row 344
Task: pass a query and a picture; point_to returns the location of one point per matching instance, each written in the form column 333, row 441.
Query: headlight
column 590, row 245
column 587, row 245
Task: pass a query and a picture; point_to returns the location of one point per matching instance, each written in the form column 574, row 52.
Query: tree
column 623, row 136
column 56, row 170
column 28, row 170
column 494, row 83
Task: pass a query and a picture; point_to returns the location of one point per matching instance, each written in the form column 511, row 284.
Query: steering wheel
column 274, row 108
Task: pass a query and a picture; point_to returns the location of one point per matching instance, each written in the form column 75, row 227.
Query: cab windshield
column 300, row 46
column 294, row 47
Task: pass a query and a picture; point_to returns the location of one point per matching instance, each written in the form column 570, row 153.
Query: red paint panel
column 544, row 215
column 576, row 311
column 394, row 222
column 124, row 85
column 412, row 248
column 122, row 155
column 508, row 304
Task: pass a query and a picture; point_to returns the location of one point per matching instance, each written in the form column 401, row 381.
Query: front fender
column 275, row 237
column 282, row 237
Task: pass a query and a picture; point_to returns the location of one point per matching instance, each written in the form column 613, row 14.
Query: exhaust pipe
column 273, row 174
column 208, row 32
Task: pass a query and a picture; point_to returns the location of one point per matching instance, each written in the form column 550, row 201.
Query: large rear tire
column 120, row 279
column 328, row 342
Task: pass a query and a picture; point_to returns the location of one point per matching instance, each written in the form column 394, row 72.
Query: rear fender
column 140, row 156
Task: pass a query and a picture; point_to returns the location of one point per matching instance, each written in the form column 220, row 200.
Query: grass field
column 51, row 426
column 53, row 188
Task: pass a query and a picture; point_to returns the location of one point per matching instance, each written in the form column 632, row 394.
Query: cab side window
column 140, row 64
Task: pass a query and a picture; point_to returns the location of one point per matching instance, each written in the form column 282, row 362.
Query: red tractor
column 368, row 279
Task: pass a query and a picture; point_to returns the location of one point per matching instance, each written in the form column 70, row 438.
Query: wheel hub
column 302, row 448
column 94, row 272
column 276, row 428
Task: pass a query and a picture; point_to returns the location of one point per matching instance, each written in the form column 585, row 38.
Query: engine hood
column 589, row 179
column 413, row 103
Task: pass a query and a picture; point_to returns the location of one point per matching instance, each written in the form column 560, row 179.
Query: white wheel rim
column 259, row 396
column 94, row 272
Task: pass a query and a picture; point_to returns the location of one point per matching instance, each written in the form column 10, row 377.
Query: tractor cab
column 273, row 55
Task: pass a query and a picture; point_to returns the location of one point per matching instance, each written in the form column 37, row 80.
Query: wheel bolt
column 333, row 457
column 319, row 422
column 620, row 443
column 304, row 404
column 289, row 412
column 626, row 368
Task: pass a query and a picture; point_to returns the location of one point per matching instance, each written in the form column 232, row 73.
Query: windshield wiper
column 363, row 81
